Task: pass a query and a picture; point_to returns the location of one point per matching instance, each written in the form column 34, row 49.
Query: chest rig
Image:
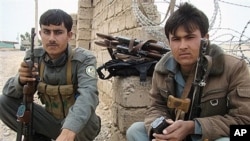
column 57, row 98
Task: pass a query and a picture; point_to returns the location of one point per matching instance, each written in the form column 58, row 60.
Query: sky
column 17, row 16
column 232, row 15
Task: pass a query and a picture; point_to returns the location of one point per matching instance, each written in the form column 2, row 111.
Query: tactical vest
column 57, row 98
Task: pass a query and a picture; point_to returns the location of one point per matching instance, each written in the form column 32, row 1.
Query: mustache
column 51, row 44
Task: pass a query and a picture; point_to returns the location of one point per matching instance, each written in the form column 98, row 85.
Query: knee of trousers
column 223, row 139
column 8, row 109
column 8, row 103
column 3, row 102
column 135, row 129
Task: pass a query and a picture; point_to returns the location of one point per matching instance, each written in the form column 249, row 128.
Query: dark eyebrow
column 56, row 30
column 189, row 34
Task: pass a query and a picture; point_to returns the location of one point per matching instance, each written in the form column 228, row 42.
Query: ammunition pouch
column 57, row 99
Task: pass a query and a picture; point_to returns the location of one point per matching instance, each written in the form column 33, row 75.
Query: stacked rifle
column 122, row 47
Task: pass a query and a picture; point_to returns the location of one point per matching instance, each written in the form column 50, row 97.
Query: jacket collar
column 56, row 62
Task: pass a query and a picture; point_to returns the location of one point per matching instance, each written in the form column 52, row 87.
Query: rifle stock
column 149, row 49
column 147, row 46
column 25, row 110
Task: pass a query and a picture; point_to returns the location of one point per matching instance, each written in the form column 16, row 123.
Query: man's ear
column 207, row 36
column 70, row 34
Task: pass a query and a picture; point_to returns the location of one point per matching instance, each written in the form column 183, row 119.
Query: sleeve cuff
column 197, row 128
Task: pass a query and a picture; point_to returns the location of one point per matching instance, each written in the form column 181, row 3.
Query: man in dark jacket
column 223, row 95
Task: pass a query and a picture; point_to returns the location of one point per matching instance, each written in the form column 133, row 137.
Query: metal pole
column 36, row 23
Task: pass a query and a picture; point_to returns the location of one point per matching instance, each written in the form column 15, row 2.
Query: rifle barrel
column 161, row 48
column 25, row 110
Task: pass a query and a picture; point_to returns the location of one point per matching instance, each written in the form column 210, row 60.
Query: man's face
column 54, row 39
column 185, row 47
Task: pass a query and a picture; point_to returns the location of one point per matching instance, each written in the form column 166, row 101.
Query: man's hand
column 66, row 135
column 177, row 131
column 25, row 74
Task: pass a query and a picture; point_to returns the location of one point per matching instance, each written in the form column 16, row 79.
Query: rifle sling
column 185, row 92
column 189, row 84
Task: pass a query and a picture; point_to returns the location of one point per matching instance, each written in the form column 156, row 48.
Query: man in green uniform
column 67, row 85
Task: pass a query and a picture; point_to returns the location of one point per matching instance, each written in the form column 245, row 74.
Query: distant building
column 6, row 44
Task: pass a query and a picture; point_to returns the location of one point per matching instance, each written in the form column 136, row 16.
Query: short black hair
column 189, row 17
column 56, row 17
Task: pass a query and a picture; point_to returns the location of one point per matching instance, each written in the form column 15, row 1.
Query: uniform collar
column 56, row 62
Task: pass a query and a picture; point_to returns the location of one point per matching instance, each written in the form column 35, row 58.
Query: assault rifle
column 25, row 110
column 130, row 57
column 203, row 66
column 132, row 47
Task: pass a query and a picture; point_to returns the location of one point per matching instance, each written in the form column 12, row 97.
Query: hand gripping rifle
column 25, row 110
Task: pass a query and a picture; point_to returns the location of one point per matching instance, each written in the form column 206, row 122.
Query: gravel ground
column 9, row 63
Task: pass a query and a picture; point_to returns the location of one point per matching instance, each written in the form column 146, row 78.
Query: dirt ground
column 9, row 63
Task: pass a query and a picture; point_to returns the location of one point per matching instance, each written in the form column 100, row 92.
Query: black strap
column 143, row 69
column 113, row 66
column 110, row 66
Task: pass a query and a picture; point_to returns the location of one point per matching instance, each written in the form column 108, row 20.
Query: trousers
column 137, row 132
column 43, row 123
